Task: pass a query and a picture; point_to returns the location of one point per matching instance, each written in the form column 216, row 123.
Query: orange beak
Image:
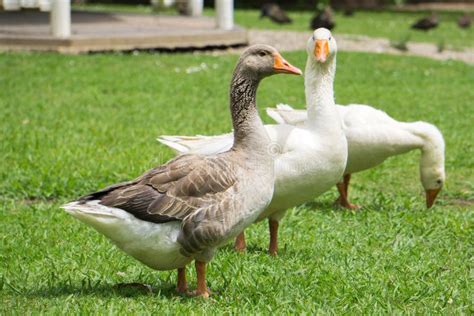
column 431, row 197
column 321, row 50
column 282, row 66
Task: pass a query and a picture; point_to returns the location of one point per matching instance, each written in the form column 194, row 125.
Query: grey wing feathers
column 172, row 191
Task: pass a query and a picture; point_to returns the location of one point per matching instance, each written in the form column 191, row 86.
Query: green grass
column 392, row 25
column 73, row 124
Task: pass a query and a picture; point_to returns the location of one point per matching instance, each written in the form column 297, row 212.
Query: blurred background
column 445, row 24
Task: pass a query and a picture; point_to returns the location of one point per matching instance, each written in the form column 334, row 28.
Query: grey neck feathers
column 319, row 89
column 249, row 131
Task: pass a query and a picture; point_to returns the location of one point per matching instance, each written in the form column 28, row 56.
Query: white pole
column 195, row 7
column 60, row 18
column 225, row 14
column 45, row 5
column 11, row 5
column 29, row 4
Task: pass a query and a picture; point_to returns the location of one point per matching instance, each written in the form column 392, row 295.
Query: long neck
column 249, row 132
column 319, row 90
column 431, row 144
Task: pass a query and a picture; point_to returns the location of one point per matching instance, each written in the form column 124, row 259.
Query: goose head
column 433, row 181
column 263, row 61
column 432, row 172
column 432, row 178
column 322, row 46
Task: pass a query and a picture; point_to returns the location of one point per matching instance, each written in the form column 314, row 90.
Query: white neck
column 319, row 90
column 431, row 146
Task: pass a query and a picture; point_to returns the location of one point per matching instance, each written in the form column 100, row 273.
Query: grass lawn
column 73, row 124
column 391, row 25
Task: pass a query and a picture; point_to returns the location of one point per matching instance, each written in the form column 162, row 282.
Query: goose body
column 309, row 159
column 299, row 177
column 323, row 19
column 427, row 23
column 185, row 209
column 275, row 13
column 465, row 21
column 174, row 235
column 373, row 136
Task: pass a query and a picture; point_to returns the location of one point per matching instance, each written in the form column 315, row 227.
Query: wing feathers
column 172, row 191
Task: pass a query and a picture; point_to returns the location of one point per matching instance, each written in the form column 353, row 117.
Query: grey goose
column 186, row 208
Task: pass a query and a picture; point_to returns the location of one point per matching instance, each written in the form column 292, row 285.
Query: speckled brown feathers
column 243, row 96
column 171, row 191
column 193, row 189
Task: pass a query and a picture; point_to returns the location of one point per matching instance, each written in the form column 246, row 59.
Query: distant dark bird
column 465, row 21
column 349, row 12
column 275, row 13
column 426, row 23
column 349, row 7
column 323, row 19
column 182, row 7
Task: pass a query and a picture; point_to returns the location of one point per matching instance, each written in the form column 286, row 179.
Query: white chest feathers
column 309, row 165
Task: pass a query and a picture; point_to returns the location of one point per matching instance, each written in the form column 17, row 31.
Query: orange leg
column 240, row 244
column 347, row 179
column 202, row 289
column 273, row 248
column 343, row 188
column 182, row 286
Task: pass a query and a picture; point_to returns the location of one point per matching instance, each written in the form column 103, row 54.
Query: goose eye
column 262, row 54
column 439, row 181
column 330, row 38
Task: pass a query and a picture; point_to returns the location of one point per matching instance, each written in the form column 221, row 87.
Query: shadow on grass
column 459, row 201
column 252, row 248
column 283, row 252
column 325, row 206
column 106, row 291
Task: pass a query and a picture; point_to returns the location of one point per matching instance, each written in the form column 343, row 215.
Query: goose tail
column 116, row 224
column 92, row 212
column 203, row 145
column 177, row 143
column 283, row 106
column 275, row 114
column 285, row 114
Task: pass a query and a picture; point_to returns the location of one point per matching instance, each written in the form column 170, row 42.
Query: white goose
column 186, row 208
column 373, row 136
column 310, row 159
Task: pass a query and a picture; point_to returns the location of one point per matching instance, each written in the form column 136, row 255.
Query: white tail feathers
column 283, row 106
column 285, row 114
column 174, row 143
column 93, row 210
column 204, row 145
column 274, row 113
